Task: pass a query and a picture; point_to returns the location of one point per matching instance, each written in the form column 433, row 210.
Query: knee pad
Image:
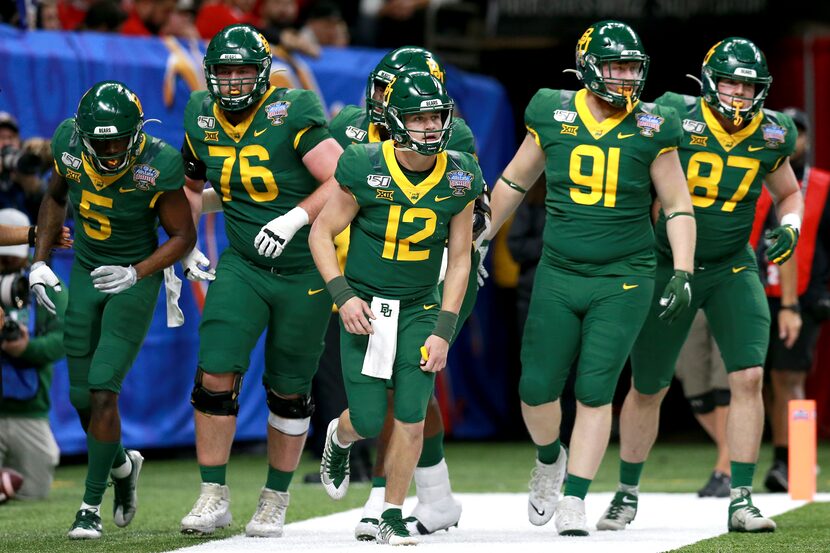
column 704, row 403
column 224, row 404
column 79, row 398
column 367, row 424
column 722, row 397
column 289, row 416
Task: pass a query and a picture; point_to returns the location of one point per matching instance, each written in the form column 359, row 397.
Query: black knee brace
column 704, row 403
column 215, row 403
column 289, row 416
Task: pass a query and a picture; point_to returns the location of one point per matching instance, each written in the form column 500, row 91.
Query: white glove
column 41, row 276
column 275, row 235
column 112, row 279
column 482, row 272
column 196, row 266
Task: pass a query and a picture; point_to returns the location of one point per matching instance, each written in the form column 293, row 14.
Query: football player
column 437, row 509
column 730, row 146
column 121, row 183
column 404, row 198
column 601, row 149
column 265, row 151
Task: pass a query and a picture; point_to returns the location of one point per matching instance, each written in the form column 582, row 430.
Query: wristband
column 445, row 325
column 795, row 308
column 32, row 235
column 793, row 220
column 340, row 290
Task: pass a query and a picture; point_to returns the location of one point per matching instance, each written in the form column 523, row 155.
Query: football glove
column 112, row 279
column 482, row 253
column 41, row 276
column 273, row 237
column 196, row 266
column 782, row 242
column 677, row 296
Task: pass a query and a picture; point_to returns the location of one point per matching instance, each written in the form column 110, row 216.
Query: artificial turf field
column 168, row 488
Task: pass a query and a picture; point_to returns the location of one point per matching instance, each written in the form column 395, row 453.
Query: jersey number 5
column 403, row 245
column 247, row 172
column 104, row 230
column 602, row 180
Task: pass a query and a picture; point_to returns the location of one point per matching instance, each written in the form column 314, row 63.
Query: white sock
column 124, row 470
column 337, row 442
column 387, row 506
column 629, row 489
column 88, row 507
column 374, row 505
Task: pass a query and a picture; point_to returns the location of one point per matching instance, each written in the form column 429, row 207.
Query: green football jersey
column 116, row 215
column 598, row 198
column 725, row 172
column 398, row 236
column 256, row 166
column 352, row 126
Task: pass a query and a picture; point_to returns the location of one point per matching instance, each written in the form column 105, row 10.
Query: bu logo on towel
column 385, row 310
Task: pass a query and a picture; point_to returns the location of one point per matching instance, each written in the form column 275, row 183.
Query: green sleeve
column 47, row 346
column 341, row 122
column 671, row 131
column 171, row 169
column 311, row 138
column 348, row 166
column 462, row 139
column 788, row 147
column 533, row 112
column 59, row 145
column 672, row 100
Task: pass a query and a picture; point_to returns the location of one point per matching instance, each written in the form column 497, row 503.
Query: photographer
column 790, row 355
column 31, row 340
column 21, row 168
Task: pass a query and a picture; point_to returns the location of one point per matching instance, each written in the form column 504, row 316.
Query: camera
column 14, row 295
column 13, row 159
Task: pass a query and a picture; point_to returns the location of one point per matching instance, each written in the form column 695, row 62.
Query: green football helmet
column 405, row 58
column 737, row 59
column 417, row 92
column 238, row 45
column 109, row 122
column 601, row 44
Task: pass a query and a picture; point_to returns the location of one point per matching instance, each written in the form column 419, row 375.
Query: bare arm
column 13, row 235
column 783, row 187
column 51, row 216
column 193, row 190
column 523, row 171
column 673, row 193
column 789, row 321
column 321, row 162
column 175, row 217
column 458, row 260
column 335, row 216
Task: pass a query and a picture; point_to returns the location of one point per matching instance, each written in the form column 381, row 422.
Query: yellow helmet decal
column 711, row 52
column 584, row 41
column 435, row 69
column 265, row 44
column 388, row 92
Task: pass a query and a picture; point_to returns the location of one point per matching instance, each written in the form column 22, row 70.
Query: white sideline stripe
column 491, row 521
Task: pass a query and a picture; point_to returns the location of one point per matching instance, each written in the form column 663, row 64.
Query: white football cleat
column 570, row 517
column 744, row 516
column 334, row 466
column 621, row 511
column 545, row 486
column 367, row 528
column 437, row 509
column 269, row 518
column 211, row 511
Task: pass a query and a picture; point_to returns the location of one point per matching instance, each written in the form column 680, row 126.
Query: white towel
column 380, row 354
column 172, row 293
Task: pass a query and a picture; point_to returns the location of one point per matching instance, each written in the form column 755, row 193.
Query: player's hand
column 15, row 348
column 41, row 276
column 789, row 326
column 275, row 235
column 437, row 349
column 677, row 296
column 112, row 279
column 482, row 254
column 196, row 266
column 782, row 242
column 64, row 239
column 356, row 315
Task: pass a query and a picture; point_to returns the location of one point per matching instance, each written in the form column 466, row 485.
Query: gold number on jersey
column 104, row 229
column 602, row 179
column 404, row 244
column 247, row 172
column 704, row 187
